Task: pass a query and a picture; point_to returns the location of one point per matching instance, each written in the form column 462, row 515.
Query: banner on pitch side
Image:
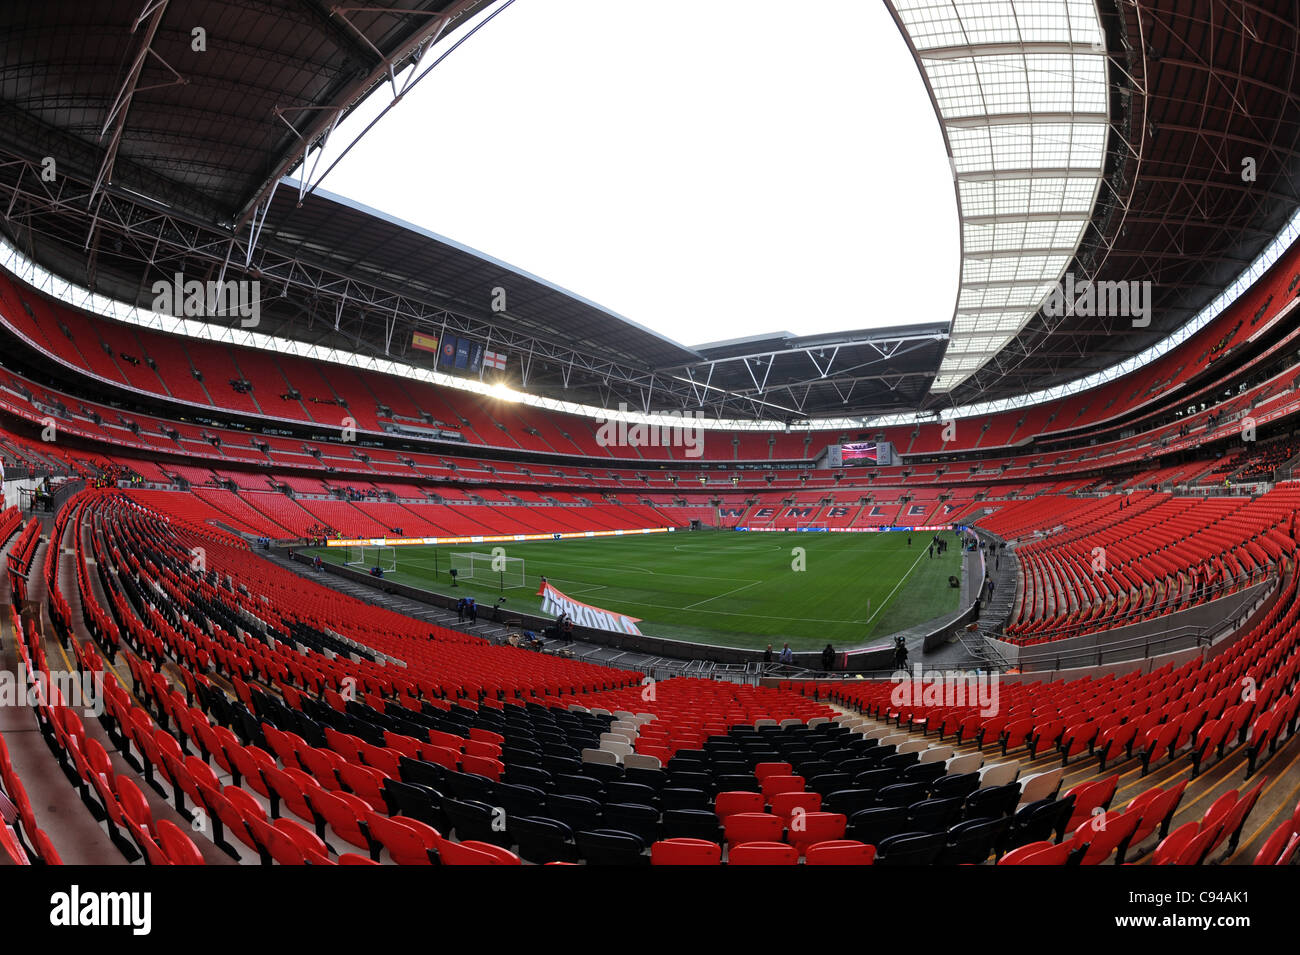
column 585, row 615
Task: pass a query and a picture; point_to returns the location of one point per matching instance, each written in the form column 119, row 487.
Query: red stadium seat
column 753, row 827
column 807, row 828
column 772, row 785
column 686, row 852
column 407, row 841
column 840, row 852
column 729, row 803
column 1039, row 853
column 762, row 853
column 177, row 845
column 784, row 804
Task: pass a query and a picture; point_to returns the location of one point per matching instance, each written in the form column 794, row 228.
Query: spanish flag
column 424, row 342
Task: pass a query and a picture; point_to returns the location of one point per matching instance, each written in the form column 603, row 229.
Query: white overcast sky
column 727, row 169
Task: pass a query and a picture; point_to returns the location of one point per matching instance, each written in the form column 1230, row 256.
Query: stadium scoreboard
column 862, row 454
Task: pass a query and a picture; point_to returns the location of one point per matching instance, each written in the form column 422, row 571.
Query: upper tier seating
column 292, row 389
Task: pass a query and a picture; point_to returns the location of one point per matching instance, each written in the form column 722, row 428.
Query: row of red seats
column 294, row 389
column 223, row 447
column 308, row 778
column 191, row 783
column 1246, row 696
column 1107, row 565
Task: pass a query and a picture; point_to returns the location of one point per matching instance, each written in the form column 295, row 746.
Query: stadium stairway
column 1005, row 572
column 955, row 653
column 1033, row 777
column 1276, row 801
column 698, row 744
column 695, row 708
column 72, row 827
column 159, row 807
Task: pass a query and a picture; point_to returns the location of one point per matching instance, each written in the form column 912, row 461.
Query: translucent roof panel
column 1020, row 90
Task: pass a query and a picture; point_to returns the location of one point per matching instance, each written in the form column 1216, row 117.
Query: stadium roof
column 203, row 105
column 1020, row 90
column 175, row 166
column 1202, row 173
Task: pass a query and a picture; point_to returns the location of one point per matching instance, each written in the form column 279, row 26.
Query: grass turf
column 721, row 587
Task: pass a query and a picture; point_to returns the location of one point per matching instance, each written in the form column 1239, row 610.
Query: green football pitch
column 720, row 587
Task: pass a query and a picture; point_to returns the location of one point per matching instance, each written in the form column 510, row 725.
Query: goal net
column 811, row 526
column 385, row 558
column 489, row 568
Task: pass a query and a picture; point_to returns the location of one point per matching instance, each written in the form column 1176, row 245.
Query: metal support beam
column 315, row 135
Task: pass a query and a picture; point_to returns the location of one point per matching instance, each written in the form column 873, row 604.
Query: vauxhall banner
column 585, row 615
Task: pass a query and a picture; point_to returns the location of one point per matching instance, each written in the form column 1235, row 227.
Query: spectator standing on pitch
column 787, row 655
column 472, row 607
column 828, row 658
column 767, row 654
column 460, row 610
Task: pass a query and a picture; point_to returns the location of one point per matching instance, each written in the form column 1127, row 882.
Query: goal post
column 489, row 568
column 371, row 555
column 811, row 526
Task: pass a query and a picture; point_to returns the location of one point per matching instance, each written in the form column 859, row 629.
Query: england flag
column 492, row 359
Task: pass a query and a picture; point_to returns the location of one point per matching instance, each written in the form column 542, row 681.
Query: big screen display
column 867, row 454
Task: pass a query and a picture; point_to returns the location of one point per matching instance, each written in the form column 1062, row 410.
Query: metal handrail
column 1122, row 651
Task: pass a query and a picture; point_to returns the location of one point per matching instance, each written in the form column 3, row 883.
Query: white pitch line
column 577, row 586
column 720, row 596
column 585, row 565
column 570, row 562
column 732, row 613
column 644, row 570
column 884, row 603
